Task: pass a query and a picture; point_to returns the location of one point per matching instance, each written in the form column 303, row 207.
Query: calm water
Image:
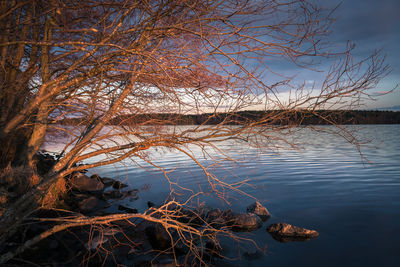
column 354, row 204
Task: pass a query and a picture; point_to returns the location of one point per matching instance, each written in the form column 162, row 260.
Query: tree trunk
column 13, row 148
column 23, row 207
column 40, row 125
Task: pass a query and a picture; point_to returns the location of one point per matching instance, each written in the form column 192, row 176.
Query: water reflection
column 327, row 186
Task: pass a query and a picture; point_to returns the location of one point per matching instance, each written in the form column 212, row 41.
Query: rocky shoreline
column 138, row 242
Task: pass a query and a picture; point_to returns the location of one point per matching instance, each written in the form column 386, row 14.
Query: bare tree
column 111, row 66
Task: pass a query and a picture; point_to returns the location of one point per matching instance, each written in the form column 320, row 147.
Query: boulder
column 150, row 204
column 102, row 237
column 95, row 176
column 213, row 248
column 118, row 185
column 91, row 204
column 81, row 182
column 190, row 217
column 96, row 241
column 132, row 194
column 160, row 239
column 243, row 222
column 285, row 232
column 215, row 218
column 107, row 181
column 259, row 210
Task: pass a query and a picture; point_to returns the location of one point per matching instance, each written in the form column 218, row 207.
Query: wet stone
column 284, row 232
column 259, row 210
column 107, row 181
column 91, row 204
column 118, row 185
column 81, row 182
column 243, row 222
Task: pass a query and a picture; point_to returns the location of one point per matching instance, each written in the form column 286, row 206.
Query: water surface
column 327, row 186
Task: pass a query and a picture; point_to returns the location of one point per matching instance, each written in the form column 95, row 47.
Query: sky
column 370, row 25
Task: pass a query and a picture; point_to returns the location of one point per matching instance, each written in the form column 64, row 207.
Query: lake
column 353, row 203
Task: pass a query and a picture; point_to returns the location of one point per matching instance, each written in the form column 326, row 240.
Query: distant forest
column 273, row 117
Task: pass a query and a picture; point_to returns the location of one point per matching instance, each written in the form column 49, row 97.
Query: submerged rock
column 284, row 232
column 253, row 255
column 259, row 210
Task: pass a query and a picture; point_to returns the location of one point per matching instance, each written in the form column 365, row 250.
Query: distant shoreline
column 301, row 117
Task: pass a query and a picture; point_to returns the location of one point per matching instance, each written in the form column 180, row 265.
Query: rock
column 132, row 194
column 285, row 232
column 150, row 204
column 118, row 185
column 96, row 241
column 107, row 181
column 190, row 217
column 213, row 215
column 81, row 182
column 259, row 210
column 91, row 204
column 117, row 194
column 238, row 221
column 101, row 238
column 215, row 218
column 113, row 194
column 213, row 249
column 126, row 209
column 95, row 176
column 160, row 239
column 243, row 222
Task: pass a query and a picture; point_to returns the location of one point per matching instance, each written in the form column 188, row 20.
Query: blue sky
column 370, row 25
